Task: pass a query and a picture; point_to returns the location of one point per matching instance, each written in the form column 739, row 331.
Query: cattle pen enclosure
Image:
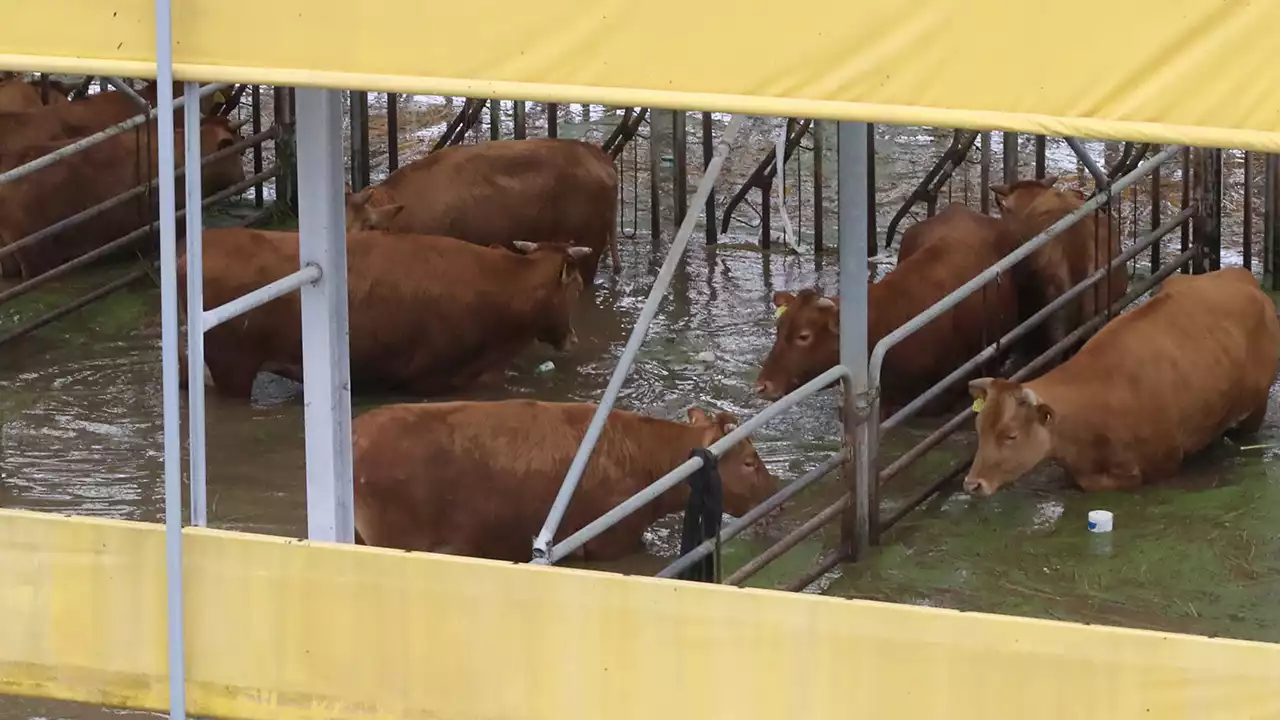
column 237, row 586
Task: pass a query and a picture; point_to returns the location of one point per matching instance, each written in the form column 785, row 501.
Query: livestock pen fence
column 268, row 627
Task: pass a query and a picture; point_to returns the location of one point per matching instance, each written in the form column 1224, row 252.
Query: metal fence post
column 169, row 362
column 1009, row 141
column 286, row 147
column 325, row 362
column 852, row 143
column 195, row 304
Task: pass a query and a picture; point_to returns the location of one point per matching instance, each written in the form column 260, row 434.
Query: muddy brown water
column 80, row 417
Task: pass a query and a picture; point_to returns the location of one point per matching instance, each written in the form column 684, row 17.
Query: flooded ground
column 80, row 425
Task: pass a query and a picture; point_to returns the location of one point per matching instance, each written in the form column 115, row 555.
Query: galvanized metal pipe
column 91, row 256
column 124, row 197
column 792, row 539
column 211, row 319
column 1039, row 317
column 542, row 544
column 124, row 88
column 1099, row 175
column 688, row 467
column 735, row 528
column 195, row 299
column 53, row 157
column 822, row 568
column 920, row 498
column 168, row 350
column 959, row 294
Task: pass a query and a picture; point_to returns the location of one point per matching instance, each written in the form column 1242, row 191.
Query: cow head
column 807, row 342
column 561, row 298
column 1015, row 198
column 743, row 475
column 371, row 209
column 217, row 134
column 1014, row 433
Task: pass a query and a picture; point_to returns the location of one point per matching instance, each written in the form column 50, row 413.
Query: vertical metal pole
column 708, row 151
column 873, row 235
column 1271, row 228
column 1040, row 157
column 680, row 153
column 1156, row 221
column 495, row 119
column 655, row 187
column 286, row 149
column 195, row 304
column 1248, row 210
column 985, row 174
column 359, row 140
column 553, row 120
column 1186, row 203
column 1206, row 228
column 1009, row 141
column 521, row 121
column 856, row 530
column 169, row 362
column 325, row 361
column 393, row 132
column 256, row 111
column 819, row 196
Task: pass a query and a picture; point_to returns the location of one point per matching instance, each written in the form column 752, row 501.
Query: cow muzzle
column 768, row 390
column 978, row 486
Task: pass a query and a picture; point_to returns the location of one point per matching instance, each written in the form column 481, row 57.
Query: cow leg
column 614, row 255
column 232, row 376
column 1252, row 422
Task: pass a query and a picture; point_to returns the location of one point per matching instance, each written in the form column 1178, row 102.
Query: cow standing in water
column 478, row 478
column 1151, row 387
column 93, row 176
column 945, row 252
column 494, row 193
column 428, row 315
column 1029, row 207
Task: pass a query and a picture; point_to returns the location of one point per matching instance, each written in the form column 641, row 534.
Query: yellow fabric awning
column 1199, row 72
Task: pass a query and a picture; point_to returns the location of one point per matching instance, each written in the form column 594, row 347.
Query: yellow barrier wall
column 280, row 628
column 1168, row 71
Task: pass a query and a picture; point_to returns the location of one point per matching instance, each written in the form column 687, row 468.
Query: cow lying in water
column 499, row 192
column 945, row 252
column 1153, row 386
column 428, row 315
column 478, row 478
column 1029, row 207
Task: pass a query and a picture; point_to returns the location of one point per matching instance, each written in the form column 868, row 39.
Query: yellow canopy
column 1198, row 72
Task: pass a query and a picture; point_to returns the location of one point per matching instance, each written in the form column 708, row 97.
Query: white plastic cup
column 1100, row 521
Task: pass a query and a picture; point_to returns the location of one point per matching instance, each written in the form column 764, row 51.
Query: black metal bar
column 819, row 193
column 1186, row 201
column 952, row 158
column 393, row 132
column 984, row 173
column 1248, row 210
column 1040, row 156
column 553, row 120
column 680, row 154
column 495, row 120
column 521, row 121
column 1156, row 212
column 655, row 186
column 708, row 151
column 1009, row 143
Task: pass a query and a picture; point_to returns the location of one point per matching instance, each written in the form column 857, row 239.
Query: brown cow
column 19, row 95
column 961, row 243
column 478, row 478
column 1153, row 386
column 92, row 176
column 428, row 315
column 925, row 232
column 79, row 118
column 543, row 190
column 1027, row 208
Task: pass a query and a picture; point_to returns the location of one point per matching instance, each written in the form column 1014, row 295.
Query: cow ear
column 1000, row 191
column 567, row 272
column 696, row 416
column 1045, row 414
column 980, row 387
column 1049, row 180
column 727, row 422
column 782, row 298
column 381, row 217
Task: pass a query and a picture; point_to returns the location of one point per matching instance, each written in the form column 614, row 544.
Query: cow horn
column 579, row 252
column 523, row 246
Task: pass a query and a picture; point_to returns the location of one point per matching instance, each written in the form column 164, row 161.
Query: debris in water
column 706, row 357
column 545, row 367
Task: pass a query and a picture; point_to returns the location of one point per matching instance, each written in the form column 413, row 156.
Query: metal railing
column 542, row 543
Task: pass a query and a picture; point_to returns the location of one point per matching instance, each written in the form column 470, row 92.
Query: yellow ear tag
column 777, row 313
column 978, row 404
column 219, row 97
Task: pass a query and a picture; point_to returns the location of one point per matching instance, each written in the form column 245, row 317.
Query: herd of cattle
column 461, row 260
